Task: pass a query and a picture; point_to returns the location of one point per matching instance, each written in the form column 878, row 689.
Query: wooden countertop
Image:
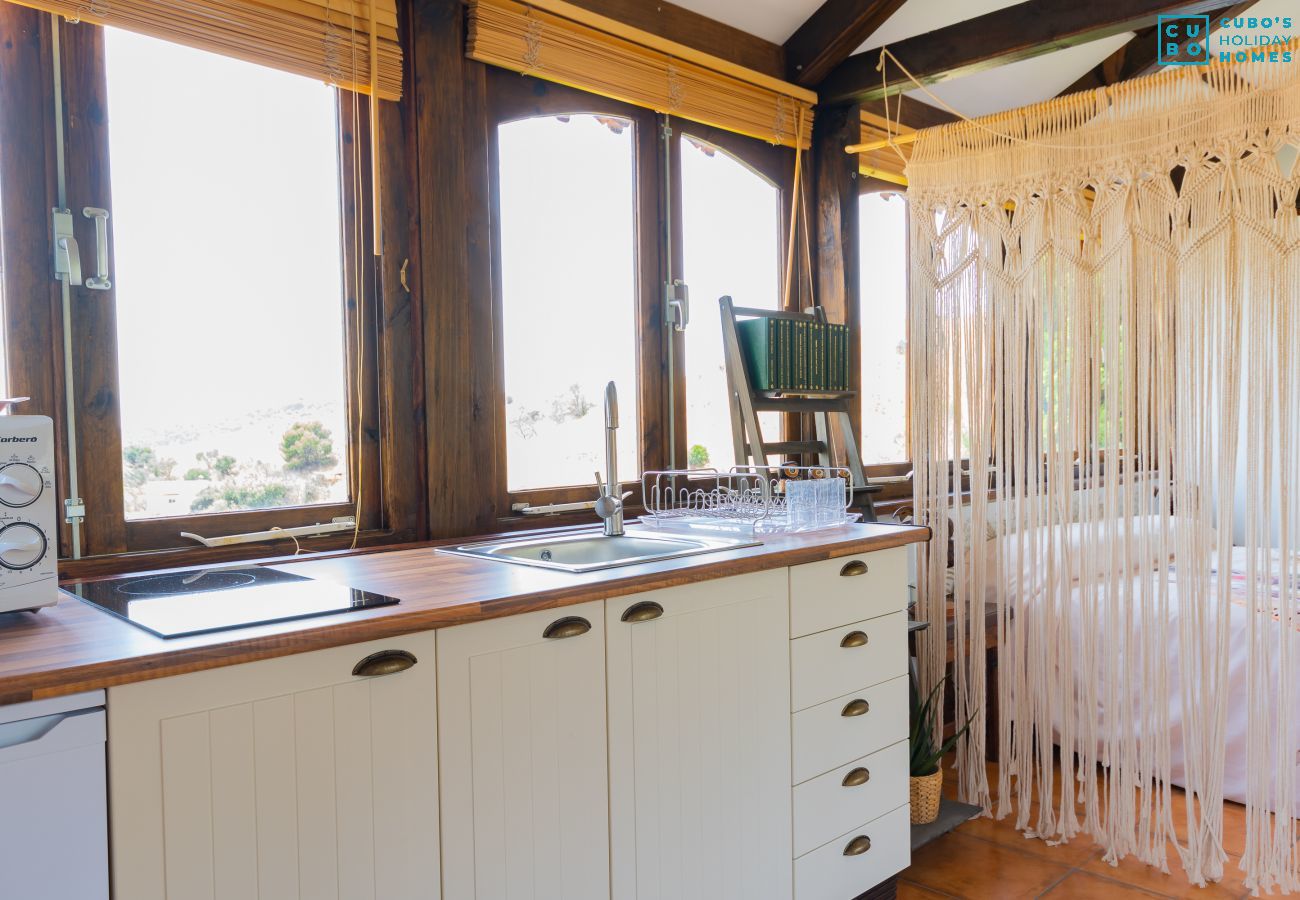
column 77, row 647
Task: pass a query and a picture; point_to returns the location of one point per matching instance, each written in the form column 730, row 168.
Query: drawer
column 835, row 592
column 826, row 737
column 832, row 663
column 831, row 804
column 827, row 873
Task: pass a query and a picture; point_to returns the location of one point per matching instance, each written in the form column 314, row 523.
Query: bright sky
column 731, row 230
column 883, row 329
column 226, row 221
column 569, row 297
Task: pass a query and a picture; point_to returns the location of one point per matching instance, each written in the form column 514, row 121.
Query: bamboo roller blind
column 882, row 163
column 330, row 40
column 535, row 42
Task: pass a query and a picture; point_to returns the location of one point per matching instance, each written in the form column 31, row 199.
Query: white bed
column 1026, row 590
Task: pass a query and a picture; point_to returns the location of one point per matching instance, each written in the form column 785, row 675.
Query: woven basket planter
column 926, row 791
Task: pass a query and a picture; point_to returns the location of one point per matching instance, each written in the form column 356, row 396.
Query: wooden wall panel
column 835, row 226
column 455, row 272
column 32, row 301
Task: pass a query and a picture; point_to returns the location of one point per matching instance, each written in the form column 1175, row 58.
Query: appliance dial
column 22, row 545
column 20, row 484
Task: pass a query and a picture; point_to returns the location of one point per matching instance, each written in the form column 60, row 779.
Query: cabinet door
column 522, row 722
column 699, row 715
column 287, row 778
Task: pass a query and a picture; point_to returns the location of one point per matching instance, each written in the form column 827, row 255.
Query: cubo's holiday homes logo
column 1198, row 40
column 1184, row 40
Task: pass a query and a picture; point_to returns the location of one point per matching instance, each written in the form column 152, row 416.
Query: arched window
column 568, row 263
column 731, row 224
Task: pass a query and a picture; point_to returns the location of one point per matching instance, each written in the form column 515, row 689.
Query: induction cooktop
column 178, row 604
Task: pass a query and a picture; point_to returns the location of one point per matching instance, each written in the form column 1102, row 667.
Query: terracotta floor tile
column 908, row 890
column 969, row 867
column 1075, row 853
column 1082, row 886
column 1175, row 884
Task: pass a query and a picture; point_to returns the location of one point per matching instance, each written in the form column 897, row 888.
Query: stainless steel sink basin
column 584, row 552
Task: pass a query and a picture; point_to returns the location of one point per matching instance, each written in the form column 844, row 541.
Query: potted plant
column 927, row 754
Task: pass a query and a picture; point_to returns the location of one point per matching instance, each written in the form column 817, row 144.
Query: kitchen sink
column 584, row 552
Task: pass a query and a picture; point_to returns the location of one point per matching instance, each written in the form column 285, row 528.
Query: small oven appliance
column 28, row 525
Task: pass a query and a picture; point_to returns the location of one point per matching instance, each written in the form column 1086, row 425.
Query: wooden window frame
column 511, row 98
column 392, row 450
column 895, row 494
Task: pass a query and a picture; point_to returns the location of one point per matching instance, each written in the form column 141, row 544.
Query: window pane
column 731, row 235
column 225, row 183
column 883, row 326
column 569, row 298
column 4, row 339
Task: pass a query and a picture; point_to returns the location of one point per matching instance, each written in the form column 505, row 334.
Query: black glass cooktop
column 184, row 603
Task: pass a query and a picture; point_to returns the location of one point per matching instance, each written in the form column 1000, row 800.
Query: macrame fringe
column 1102, row 342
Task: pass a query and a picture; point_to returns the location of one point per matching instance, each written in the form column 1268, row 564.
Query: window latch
column 677, row 296
column 67, row 255
column 99, row 281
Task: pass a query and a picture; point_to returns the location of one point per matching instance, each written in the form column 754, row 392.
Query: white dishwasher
column 53, row 802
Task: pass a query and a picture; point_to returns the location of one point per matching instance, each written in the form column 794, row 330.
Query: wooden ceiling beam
column 1007, row 35
column 831, row 34
column 1139, row 56
column 679, row 24
column 911, row 113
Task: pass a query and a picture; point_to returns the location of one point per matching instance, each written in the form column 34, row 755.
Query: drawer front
column 835, row 592
column 826, row 738
column 828, row 874
column 832, row 663
column 863, row 790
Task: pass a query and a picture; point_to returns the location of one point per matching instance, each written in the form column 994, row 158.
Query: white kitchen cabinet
column 699, row 738
column 280, row 779
column 521, row 714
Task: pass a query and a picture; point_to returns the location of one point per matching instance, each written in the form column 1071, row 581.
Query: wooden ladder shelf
column 747, row 402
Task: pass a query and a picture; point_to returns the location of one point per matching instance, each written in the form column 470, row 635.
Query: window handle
column 99, row 281
column 678, row 297
column 67, row 255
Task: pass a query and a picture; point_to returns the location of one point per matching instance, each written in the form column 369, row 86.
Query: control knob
column 20, row 484
column 22, row 545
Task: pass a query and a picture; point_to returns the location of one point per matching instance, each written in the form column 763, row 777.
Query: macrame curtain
column 1105, row 360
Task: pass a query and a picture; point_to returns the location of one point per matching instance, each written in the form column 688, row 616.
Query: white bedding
column 1026, row 591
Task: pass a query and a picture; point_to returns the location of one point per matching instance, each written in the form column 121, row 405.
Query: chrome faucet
column 609, row 505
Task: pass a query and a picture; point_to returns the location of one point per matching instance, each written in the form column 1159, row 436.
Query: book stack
column 794, row 354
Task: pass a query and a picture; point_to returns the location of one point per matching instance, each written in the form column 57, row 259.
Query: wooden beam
column 909, row 112
column 835, row 226
column 1138, row 57
column 831, row 34
column 1007, row 35
column 675, row 23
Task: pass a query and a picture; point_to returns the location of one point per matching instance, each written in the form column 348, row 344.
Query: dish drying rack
column 749, row 499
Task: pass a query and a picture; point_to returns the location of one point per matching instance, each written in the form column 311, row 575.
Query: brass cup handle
column 854, row 639
column 385, row 662
column 853, row 567
column 858, row 846
column 856, row 777
column 856, row 707
column 569, row 626
column 644, row 611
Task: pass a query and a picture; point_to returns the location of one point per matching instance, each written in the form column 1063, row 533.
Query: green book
column 820, row 334
column 760, row 347
column 787, row 355
column 839, row 373
column 796, row 355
